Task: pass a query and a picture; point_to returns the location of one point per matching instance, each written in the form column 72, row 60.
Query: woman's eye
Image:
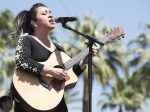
column 43, row 14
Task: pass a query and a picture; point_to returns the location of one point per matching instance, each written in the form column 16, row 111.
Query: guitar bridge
column 44, row 83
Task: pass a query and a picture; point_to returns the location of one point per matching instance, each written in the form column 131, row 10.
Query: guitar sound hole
column 58, row 66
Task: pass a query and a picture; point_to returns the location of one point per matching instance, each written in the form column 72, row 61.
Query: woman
column 34, row 47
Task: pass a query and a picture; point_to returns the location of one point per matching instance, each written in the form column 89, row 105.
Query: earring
column 35, row 24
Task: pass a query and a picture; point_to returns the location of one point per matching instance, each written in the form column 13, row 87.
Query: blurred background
column 122, row 77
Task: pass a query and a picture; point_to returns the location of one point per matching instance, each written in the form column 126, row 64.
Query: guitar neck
column 81, row 55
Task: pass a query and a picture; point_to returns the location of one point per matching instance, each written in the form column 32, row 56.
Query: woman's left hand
column 84, row 61
column 94, row 51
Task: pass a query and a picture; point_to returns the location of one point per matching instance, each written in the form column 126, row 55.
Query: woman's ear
column 33, row 23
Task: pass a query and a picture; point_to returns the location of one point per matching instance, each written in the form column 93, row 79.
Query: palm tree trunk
column 86, row 95
column 120, row 109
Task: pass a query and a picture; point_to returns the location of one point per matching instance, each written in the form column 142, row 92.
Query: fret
column 76, row 59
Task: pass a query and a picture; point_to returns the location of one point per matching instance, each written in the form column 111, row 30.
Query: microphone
column 64, row 19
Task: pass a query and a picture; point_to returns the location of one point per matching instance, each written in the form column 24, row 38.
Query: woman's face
column 45, row 20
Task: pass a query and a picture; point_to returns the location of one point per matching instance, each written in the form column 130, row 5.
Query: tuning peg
column 122, row 36
column 107, row 32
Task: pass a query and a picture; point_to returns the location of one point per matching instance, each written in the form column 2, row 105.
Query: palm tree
column 104, row 61
column 140, row 61
column 123, row 94
column 129, row 92
column 7, row 44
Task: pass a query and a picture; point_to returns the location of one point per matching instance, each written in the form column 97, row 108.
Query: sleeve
column 77, row 70
column 23, row 57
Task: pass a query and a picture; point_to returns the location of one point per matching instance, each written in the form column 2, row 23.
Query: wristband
column 50, row 70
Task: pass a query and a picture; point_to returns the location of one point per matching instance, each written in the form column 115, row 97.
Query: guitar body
column 33, row 94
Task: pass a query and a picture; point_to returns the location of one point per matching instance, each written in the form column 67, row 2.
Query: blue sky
column 127, row 14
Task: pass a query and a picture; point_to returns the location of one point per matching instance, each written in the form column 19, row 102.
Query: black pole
column 90, row 75
column 90, row 44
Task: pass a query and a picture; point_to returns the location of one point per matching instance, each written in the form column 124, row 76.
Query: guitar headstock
column 116, row 33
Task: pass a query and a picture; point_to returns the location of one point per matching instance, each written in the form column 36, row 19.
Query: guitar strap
column 60, row 48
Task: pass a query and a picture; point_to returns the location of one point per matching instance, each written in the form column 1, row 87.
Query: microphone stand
column 90, row 44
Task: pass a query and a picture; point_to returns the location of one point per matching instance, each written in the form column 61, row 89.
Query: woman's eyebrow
column 47, row 11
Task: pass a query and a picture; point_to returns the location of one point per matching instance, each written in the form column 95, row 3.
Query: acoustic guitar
column 38, row 94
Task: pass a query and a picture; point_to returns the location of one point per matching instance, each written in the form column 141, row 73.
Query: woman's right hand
column 59, row 73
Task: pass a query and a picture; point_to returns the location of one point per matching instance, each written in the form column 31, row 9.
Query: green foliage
column 70, row 96
column 123, row 94
column 7, row 43
column 6, row 20
column 132, row 91
column 140, row 61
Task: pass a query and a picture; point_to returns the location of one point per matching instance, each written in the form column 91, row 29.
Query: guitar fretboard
column 81, row 55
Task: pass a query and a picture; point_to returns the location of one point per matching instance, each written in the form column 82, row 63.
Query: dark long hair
column 23, row 20
column 3, row 99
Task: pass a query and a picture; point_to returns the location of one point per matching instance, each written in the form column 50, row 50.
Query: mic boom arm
column 91, row 39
